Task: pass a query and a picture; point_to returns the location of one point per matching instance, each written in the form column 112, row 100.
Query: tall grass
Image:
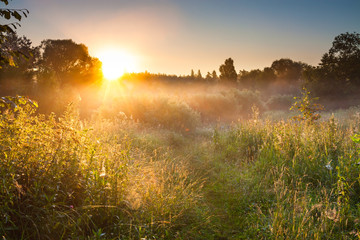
column 304, row 179
column 134, row 172
column 65, row 178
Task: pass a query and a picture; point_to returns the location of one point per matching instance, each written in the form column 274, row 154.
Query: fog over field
column 179, row 120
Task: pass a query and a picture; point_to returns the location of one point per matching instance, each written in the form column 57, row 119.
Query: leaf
column 16, row 15
column 35, row 104
column 11, row 62
column 356, row 138
column 7, row 14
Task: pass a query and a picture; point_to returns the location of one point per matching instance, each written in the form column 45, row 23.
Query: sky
column 175, row 36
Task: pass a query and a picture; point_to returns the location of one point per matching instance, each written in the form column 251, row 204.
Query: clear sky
column 175, row 36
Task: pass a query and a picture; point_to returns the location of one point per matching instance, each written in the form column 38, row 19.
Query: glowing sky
column 175, row 36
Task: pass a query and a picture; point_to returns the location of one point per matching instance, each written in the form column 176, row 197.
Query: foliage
column 287, row 69
column 7, row 58
column 69, row 62
column 338, row 74
column 117, row 179
column 228, row 105
column 163, row 112
column 307, row 107
column 280, row 102
column 301, row 183
column 18, row 79
column 13, row 103
column 227, row 71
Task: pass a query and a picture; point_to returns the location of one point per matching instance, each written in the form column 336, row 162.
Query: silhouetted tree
column 199, row 76
column 68, row 62
column 257, row 79
column 227, row 71
column 214, row 75
column 288, row 70
column 192, row 74
column 339, row 71
column 250, row 79
column 208, row 77
column 343, row 59
column 268, row 76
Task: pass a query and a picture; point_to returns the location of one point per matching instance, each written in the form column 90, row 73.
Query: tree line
column 58, row 65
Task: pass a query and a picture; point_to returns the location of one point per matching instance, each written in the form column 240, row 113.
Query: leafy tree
column 307, row 107
column 6, row 57
column 227, row 71
column 256, row 78
column 342, row 61
column 17, row 79
column 288, row 70
column 268, row 75
column 250, row 79
column 68, row 62
column 338, row 74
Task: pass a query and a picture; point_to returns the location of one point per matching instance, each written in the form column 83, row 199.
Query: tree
column 192, row 75
column 227, row 71
column 22, row 44
column 342, row 62
column 6, row 57
column 214, row 75
column 18, row 79
column 287, row 69
column 250, row 79
column 338, row 74
column 307, row 107
column 68, row 62
column 208, row 77
column 199, row 76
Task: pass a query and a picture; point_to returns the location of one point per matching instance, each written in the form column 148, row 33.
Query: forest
column 231, row 154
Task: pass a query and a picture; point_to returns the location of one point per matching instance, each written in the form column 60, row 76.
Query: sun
column 115, row 63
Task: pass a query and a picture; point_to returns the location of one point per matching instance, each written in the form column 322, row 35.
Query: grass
column 119, row 177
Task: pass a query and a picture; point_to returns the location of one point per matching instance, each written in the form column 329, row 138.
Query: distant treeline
column 57, row 69
column 337, row 75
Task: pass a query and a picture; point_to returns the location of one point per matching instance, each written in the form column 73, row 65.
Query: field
column 165, row 167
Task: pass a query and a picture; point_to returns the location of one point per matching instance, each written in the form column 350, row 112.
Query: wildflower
column 108, row 186
column 329, row 167
column 103, row 172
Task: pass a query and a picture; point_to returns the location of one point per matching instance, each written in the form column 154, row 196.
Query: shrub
column 228, row 105
column 155, row 111
column 246, row 100
column 215, row 106
column 280, row 102
column 50, row 170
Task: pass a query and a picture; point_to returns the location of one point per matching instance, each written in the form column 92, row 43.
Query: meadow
column 202, row 165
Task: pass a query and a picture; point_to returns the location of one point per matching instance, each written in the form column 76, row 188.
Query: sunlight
column 115, row 63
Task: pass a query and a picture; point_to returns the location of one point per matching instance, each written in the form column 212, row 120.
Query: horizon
column 173, row 37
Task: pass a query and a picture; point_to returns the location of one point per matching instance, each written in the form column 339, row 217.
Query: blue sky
column 175, row 36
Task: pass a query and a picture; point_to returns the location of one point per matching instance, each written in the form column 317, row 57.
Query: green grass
column 120, row 178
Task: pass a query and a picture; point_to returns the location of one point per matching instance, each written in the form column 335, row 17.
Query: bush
column 228, row 105
column 280, row 102
column 155, row 112
column 214, row 107
column 247, row 99
column 50, row 170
